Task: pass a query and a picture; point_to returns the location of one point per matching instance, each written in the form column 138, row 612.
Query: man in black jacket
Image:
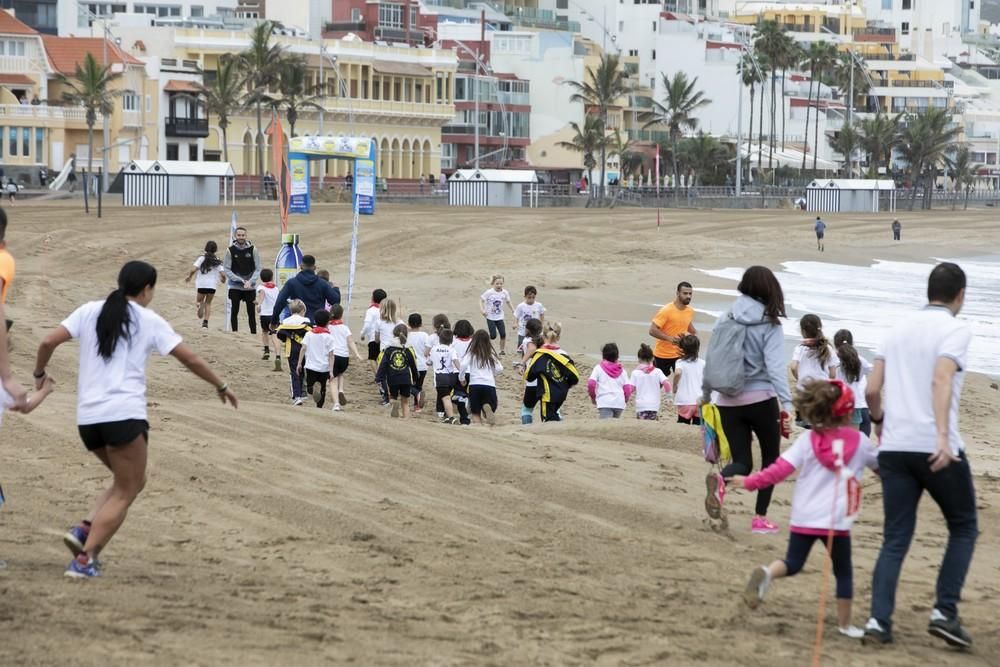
column 314, row 292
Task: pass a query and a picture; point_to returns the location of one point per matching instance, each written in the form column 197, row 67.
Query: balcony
column 392, row 33
column 345, row 26
column 186, row 127
column 876, row 35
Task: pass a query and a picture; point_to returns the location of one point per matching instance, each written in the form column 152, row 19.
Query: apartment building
column 76, row 16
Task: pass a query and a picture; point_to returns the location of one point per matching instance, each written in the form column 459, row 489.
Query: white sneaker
column 298, row 401
column 760, row 581
column 336, row 407
column 852, row 631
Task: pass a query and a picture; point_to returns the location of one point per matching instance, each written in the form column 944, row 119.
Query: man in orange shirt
column 672, row 322
column 15, row 390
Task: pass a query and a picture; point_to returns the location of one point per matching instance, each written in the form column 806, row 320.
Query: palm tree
column 751, row 77
column 261, row 61
column 681, row 101
column 765, row 67
column 89, row 88
column 703, row 153
column 963, row 171
column 296, row 93
column 601, row 89
column 923, row 144
column 622, row 147
column 769, row 39
column 224, row 96
column 879, row 136
column 587, row 140
column 846, row 142
column 789, row 56
column 813, row 59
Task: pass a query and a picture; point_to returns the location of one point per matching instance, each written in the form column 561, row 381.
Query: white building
column 932, row 29
column 75, row 18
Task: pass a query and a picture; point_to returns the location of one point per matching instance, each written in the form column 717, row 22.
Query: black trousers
column 740, row 424
column 237, row 296
column 312, row 377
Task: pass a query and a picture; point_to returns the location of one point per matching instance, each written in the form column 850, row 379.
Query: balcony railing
column 345, row 26
column 44, row 112
column 185, row 127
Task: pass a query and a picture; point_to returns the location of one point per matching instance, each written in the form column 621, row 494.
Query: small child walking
column 417, row 339
column 343, row 345
column 688, row 374
column 482, row 364
column 555, row 372
column 528, row 309
column 649, row 384
column 370, row 327
column 445, row 364
column 830, row 460
column 491, row 304
column 317, row 357
column 388, row 321
column 438, row 322
column 460, row 395
column 854, row 370
column 267, row 294
column 814, row 358
column 292, row 332
column 208, row 268
column 397, row 371
column 607, row 386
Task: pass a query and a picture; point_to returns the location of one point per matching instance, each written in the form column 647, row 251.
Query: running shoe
column 716, row 487
column 82, row 567
column 489, row 415
column 336, row 407
column 451, row 420
column 763, row 526
column 267, row 355
column 298, row 401
column 341, row 398
column 852, row 632
column 949, row 629
column 204, row 324
column 75, row 538
column 760, row 581
column 875, row 634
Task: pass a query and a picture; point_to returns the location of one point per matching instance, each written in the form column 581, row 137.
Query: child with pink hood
column 608, row 387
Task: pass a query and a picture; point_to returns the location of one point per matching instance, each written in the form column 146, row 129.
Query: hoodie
column 608, row 386
column 397, row 365
column 314, row 292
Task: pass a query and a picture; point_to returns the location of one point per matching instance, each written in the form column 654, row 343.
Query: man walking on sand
column 897, row 230
column 820, row 228
column 242, row 268
column 670, row 324
column 919, row 370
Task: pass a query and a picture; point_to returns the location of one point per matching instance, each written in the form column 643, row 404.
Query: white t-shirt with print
column 810, row 367
column 318, row 348
column 443, row 359
column 494, row 303
column 479, row 373
column 610, row 392
column 418, row 341
column 524, row 312
column 115, row 389
column 384, row 331
column 461, row 346
column 209, row 280
column 340, row 333
column 910, row 353
column 688, row 389
column 267, row 301
column 648, row 389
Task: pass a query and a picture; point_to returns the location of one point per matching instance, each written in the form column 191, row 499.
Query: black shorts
column 480, row 395
column 340, row 365
column 113, row 434
column 495, row 327
column 665, row 365
column 819, row 235
column 373, row 350
column 206, row 290
column 445, row 380
column 397, row 390
column 265, row 322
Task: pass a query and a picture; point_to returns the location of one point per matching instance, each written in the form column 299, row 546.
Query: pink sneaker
column 763, row 526
column 716, row 493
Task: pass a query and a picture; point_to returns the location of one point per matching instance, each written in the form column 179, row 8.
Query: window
column 907, row 5
column 390, row 15
column 193, row 152
column 355, row 15
column 413, row 16
column 39, row 145
column 562, row 4
column 197, row 11
column 886, row 5
column 621, row 26
column 130, row 101
column 905, row 28
column 654, row 54
column 25, row 141
column 172, row 151
column 12, row 48
column 12, row 142
column 654, row 26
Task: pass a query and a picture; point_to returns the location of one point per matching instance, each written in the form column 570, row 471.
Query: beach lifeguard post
column 851, row 195
column 177, row 183
column 493, row 187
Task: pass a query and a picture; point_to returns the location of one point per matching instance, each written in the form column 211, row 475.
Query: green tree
column 677, row 112
column 703, row 154
column 824, row 59
column 923, row 145
column 963, row 172
column 224, row 96
column 769, row 39
column 879, row 136
column 600, row 90
column 789, row 55
column 296, row 93
column 261, row 62
column 846, row 142
column 752, row 78
column 623, row 148
column 89, row 87
column 587, row 140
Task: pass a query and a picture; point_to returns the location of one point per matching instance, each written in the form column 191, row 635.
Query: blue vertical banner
column 364, row 186
column 299, row 202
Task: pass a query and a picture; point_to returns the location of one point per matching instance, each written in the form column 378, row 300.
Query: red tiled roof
column 65, row 52
column 178, row 86
column 18, row 79
column 11, row 26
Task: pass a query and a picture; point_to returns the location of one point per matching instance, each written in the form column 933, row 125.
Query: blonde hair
column 387, row 311
column 552, row 332
column 297, row 306
column 495, row 278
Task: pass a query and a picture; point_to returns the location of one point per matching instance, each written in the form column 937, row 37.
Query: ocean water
column 868, row 300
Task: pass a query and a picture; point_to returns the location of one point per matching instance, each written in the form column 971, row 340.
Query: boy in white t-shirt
column 445, row 363
column 418, row 339
column 267, row 294
column 370, row 327
column 317, row 357
column 607, row 386
column 491, row 304
column 526, row 310
column 343, row 344
column 688, row 373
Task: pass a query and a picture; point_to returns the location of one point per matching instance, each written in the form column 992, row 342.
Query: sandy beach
column 293, row 536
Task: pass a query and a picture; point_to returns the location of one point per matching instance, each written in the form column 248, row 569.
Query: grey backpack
column 724, row 366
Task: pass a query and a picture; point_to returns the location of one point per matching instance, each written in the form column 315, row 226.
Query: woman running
column 116, row 337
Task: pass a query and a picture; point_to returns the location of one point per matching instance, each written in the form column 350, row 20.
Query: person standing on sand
column 913, row 395
column 897, row 230
column 242, row 268
column 820, row 228
column 671, row 323
column 117, row 336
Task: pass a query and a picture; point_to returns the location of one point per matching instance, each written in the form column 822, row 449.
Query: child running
column 481, row 364
column 267, row 294
column 445, row 364
column 317, row 357
column 292, row 332
column 649, row 383
column 438, row 322
column 388, row 320
column 814, row 358
column 370, row 327
column 607, row 387
column 529, row 345
column 688, row 374
column 208, row 268
column 397, row 371
column 463, row 338
column 830, row 461
column 555, row 372
column 491, row 304
column 527, row 310
column 853, row 371
column 417, row 339
column 343, row 345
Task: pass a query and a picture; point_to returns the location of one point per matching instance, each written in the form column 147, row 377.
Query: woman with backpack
column 753, row 399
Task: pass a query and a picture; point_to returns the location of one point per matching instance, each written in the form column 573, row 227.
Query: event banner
column 364, row 186
column 346, row 147
column 300, row 186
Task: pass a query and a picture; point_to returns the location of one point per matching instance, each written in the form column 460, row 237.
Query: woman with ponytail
column 116, row 337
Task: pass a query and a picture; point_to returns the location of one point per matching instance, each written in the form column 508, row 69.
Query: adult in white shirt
column 913, row 394
column 116, row 337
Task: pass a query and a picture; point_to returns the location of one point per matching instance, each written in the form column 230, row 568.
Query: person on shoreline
column 208, row 268
column 117, row 337
column 826, row 478
column 763, row 404
column 308, row 288
column 669, row 324
column 491, row 304
column 417, row 339
column 649, row 384
column 242, row 268
column 820, row 229
column 897, row 230
column 920, row 368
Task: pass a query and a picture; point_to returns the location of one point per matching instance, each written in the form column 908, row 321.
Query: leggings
column 799, row 546
column 739, row 424
column 293, row 370
column 237, row 296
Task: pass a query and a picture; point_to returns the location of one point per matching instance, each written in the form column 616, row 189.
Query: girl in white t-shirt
column 267, row 294
column 491, row 304
column 854, row 370
column 830, row 460
column 117, row 336
column 481, row 365
column 814, row 358
column 208, row 268
column 648, row 385
column 607, row 386
column 688, row 373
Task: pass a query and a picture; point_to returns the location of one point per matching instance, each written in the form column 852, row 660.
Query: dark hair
column 308, row 262
column 815, row 403
column 812, row 327
column 324, row 274
column 689, row 345
column 115, row 319
column 321, row 317
column 533, row 331
column 684, row 285
column 609, row 352
column 843, row 336
column 850, row 362
column 760, row 284
column 3, row 224
column 440, row 321
column 414, row 320
column 378, row 295
column 446, row 336
column 400, row 332
column 240, row 228
column 530, row 289
column 463, row 329
column 481, row 349
column 645, row 353
column 336, row 311
column 945, row 282
column 210, row 260
column 266, row 275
